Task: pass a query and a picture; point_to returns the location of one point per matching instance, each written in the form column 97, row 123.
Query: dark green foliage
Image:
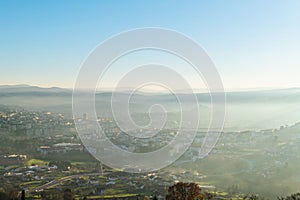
column 3, row 196
column 63, row 165
column 253, row 197
column 68, row 194
column 291, row 197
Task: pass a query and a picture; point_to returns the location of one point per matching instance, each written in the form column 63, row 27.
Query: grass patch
column 10, row 166
column 84, row 164
column 72, row 156
column 30, row 183
column 113, row 191
column 36, row 162
column 112, row 196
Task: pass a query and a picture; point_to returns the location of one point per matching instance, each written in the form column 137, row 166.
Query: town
column 41, row 153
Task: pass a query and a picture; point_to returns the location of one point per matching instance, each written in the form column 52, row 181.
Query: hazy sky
column 253, row 43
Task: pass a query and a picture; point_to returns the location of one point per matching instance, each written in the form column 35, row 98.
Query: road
column 61, row 180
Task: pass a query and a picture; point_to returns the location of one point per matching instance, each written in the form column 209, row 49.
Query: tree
column 68, row 195
column 185, row 191
column 13, row 194
column 3, row 196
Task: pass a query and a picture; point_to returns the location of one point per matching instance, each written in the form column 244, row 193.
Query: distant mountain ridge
column 17, row 89
column 24, row 88
column 266, row 96
column 244, row 109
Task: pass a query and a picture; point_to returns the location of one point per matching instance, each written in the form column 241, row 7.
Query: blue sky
column 254, row 44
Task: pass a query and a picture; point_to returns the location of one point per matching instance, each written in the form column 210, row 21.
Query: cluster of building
column 61, row 148
column 13, row 159
column 27, row 122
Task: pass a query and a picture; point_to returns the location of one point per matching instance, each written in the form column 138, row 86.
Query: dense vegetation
column 179, row 191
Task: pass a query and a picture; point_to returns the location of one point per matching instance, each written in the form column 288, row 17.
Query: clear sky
column 254, row 43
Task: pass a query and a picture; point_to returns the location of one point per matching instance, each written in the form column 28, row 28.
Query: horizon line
column 126, row 89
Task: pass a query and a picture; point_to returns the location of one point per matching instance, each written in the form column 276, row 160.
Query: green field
column 36, row 162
